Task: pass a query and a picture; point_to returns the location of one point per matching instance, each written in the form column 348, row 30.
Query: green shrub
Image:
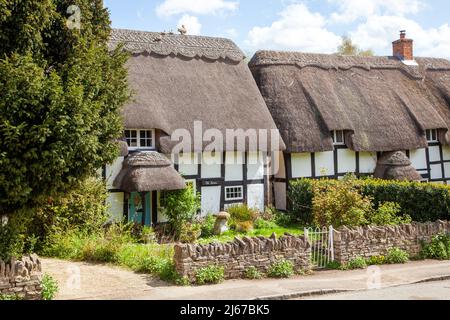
column 210, row 275
column 388, row 213
column 264, row 224
column 49, row 287
column 180, row 207
column 397, row 256
column 207, row 226
column 438, row 248
column 244, row 226
column 281, row 269
column 253, row 273
column 422, row 202
column 190, row 232
column 339, row 203
column 241, row 213
column 333, row 265
column 357, row 263
column 300, row 199
column 376, row 260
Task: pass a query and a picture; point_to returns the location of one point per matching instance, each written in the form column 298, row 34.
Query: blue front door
column 139, row 207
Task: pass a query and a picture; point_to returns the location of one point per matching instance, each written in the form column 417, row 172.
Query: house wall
column 433, row 163
column 211, row 174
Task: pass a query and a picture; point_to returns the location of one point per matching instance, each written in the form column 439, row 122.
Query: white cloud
column 191, row 23
column 232, row 33
column 351, row 10
column 199, row 7
column 297, row 29
column 378, row 32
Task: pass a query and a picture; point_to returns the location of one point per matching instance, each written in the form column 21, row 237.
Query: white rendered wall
column 301, row 165
column 234, row 166
column 346, row 160
column 112, row 171
column 210, row 200
column 255, row 196
column 188, row 164
column 115, row 202
column 211, row 165
column 255, row 166
column 324, row 163
column 367, row 162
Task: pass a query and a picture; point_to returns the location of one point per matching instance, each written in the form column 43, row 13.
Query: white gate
column 322, row 249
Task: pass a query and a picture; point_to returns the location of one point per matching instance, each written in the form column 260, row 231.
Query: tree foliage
column 61, row 94
column 348, row 48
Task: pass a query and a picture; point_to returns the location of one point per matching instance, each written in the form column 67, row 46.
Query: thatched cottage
column 194, row 91
column 348, row 114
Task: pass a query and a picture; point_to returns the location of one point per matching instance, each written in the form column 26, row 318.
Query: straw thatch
column 396, row 166
column 381, row 104
column 148, row 171
column 179, row 79
column 123, row 148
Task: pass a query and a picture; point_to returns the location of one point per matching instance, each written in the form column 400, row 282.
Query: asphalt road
column 438, row 290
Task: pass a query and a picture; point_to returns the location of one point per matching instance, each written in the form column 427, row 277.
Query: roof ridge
column 336, row 61
column 189, row 46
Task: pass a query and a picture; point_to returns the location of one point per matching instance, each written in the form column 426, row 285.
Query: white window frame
column 138, row 138
column 227, row 198
column 334, row 135
column 432, row 135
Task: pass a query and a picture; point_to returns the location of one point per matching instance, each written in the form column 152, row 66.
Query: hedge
column 421, row 201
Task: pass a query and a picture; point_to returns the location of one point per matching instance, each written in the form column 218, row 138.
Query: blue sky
column 301, row 25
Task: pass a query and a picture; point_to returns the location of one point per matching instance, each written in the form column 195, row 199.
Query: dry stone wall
column 350, row 243
column 21, row 277
column 237, row 256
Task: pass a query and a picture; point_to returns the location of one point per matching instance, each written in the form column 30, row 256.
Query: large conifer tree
column 61, row 91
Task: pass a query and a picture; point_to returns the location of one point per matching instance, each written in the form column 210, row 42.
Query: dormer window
column 338, row 137
column 140, row 139
column 432, row 135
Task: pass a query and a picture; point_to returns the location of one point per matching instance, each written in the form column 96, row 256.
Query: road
column 436, row 290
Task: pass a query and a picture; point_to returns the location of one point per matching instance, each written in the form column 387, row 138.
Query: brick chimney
column 403, row 48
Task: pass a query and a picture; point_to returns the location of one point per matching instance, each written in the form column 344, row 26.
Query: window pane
column 133, row 133
column 339, row 136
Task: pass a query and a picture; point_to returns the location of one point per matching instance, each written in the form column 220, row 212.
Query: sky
column 298, row 25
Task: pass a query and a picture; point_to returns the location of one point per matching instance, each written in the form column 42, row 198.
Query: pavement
column 85, row 281
column 435, row 290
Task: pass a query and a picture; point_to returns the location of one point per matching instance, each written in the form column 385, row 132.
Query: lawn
column 267, row 232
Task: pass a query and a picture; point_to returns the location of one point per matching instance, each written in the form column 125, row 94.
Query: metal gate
column 322, row 249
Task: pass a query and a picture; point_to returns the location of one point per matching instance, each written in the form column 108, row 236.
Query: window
column 432, row 135
column 140, row 138
column 338, row 137
column 234, row 193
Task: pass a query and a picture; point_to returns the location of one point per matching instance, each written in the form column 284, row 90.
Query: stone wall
column 350, row 243
column 237, row 256
column 21, row 277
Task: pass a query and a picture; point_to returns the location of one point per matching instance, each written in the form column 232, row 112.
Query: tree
column 61, row 95
column 347, row 48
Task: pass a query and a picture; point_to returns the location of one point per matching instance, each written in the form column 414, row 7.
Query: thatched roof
column 381, row 104
column 396, row 166
column 148, row 171
column 179, row 79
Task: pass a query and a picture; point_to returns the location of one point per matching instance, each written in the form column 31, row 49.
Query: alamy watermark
column 207, row 146
column 74, row 20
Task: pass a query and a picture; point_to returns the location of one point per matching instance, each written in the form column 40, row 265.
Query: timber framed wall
column 210, row 181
